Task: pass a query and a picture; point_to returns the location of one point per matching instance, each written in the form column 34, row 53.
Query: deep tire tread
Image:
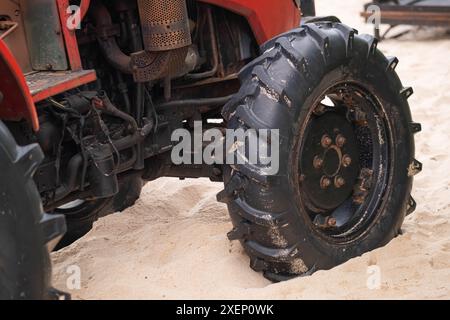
column 331, row 44
column 25, row 267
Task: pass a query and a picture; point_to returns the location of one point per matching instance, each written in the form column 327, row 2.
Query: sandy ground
column 173, row 243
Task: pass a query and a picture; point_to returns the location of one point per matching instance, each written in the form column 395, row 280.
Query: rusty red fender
column 267, row 18
column 17, row 103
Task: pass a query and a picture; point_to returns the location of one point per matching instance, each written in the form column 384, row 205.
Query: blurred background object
column 308, row 8
column 407, row 12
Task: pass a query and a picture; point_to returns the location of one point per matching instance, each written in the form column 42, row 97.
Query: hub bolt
column 318, row 162
column 319, row 110
column 326, row 141
column 339, row 182
column 340, row 140
column 346, row 160
column 331, row 222
column 325, row 182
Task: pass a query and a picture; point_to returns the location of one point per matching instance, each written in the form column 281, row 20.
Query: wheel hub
column 329, row 161
column 332, row 159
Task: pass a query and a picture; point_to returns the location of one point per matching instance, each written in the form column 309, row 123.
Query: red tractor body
column 267, row 19
column 18, row 104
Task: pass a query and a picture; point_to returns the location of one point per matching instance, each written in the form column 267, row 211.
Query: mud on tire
column 281, row 220
column 26, row 233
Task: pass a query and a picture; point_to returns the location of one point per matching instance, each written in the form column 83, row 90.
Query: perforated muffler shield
column 165, row 24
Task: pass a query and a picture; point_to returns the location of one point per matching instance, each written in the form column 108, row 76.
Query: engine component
column 148, row 66
column 107, row 42
column 165, row 24
column 104, row 103
column 166, row 36
column 214, row 50
column 102, row 175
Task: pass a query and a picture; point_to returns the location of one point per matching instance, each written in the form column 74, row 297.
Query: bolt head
column 326, row 141
column 318, row 162
column 319, row 110
column 340, row 140
column 331, row 222
column 339, row 182
column 325, row 182
column 346, row 160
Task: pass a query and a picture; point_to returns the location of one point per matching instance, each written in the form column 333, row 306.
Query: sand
column 172, row 244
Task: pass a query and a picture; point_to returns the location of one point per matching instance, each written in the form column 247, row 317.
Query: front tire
column 26, row 233
column 346, row 152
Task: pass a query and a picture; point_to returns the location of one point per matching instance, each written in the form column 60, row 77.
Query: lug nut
column 346, row 160
column 331, row 222
column 325, row 182
column 326, row 141
column 340, row 140
column 339, row 182
column 319, row 110
column 318, row 162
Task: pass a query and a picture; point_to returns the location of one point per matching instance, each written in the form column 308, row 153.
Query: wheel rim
column 73, row 205
column 343, row 162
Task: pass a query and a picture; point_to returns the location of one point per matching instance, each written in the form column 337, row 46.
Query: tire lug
column 346, row 161
column 340, row 140
column 318, row 162
column 325, row 182
column 339, row 182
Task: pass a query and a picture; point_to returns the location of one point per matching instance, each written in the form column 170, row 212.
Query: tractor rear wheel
column 346, row 152
column 26, row 234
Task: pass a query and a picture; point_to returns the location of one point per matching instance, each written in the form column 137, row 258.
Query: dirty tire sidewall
column 25, row 268
column 278, row 91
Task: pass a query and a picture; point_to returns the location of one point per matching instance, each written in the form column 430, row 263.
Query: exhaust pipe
column 165, row 24
column 166, row 36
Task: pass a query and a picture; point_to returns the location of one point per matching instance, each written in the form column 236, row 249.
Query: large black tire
column 26, row 234
column 80, row 218
column 270, row 215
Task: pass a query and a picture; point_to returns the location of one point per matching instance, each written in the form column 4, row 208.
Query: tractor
column 92, row 91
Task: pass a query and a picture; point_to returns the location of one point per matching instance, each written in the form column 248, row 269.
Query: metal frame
column 411, row 12
column 46, row 84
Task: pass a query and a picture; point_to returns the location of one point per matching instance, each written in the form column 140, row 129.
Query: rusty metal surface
column 165, row 24
column 425, row 12
column 70, row 38
column 148, row 66
column 16, row 41
column 17, row 102
column 46, row 84
column 166, row 34
column 44, row 35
